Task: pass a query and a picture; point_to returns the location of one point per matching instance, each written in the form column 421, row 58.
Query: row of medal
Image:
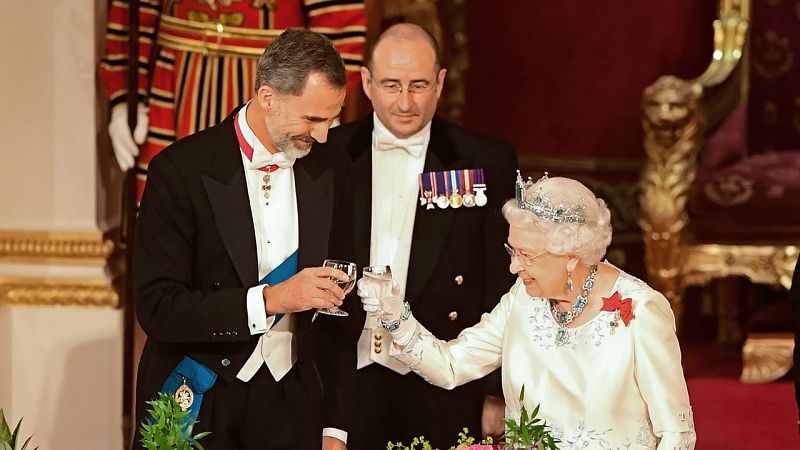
column 452, row 188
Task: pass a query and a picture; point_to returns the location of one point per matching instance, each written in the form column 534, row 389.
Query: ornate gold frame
column 47, row 247
column 766, row 357
column 51, row 292
column 676, row 117
column 64, row 248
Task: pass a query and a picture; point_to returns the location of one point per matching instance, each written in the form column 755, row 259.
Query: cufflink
column 453, row 315
column 459, row 280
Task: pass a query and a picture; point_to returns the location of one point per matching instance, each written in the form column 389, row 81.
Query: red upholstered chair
column 720, row 192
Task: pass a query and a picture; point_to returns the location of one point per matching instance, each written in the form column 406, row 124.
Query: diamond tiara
column 543, row 208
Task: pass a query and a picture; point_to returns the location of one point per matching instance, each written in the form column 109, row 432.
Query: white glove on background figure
column 125, row 144
column 378, row 299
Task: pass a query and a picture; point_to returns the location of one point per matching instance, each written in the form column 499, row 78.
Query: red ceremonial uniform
column 197, row 58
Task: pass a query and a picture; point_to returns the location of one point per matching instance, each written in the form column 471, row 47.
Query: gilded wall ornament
column 670, row 104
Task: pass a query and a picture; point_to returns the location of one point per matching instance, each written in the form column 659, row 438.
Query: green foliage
column 425, row 445
column 8, row 439
column 463, row 439
column 165, row 429
column 529, row 431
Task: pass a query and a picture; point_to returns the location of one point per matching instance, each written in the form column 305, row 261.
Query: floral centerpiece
column 527, row 433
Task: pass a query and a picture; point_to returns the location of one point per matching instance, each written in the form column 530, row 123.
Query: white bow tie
column 413, row 146
column 262, row 159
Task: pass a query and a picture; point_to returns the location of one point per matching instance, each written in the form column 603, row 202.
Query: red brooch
column 621, row 307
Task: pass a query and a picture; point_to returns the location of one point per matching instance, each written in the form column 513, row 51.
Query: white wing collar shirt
column 277, row 238
column 276, row 233
column 396, row 166
column 611, row 386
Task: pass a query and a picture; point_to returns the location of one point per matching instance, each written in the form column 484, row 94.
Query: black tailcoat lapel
column 431, row 227
column 226, row 188
column 361, row 154
column 314, row 188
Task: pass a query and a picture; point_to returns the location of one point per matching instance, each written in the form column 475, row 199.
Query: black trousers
column 263, row 414
column 394, row 407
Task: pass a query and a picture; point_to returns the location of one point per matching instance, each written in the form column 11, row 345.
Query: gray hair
column 588, row 241
column 287, row 62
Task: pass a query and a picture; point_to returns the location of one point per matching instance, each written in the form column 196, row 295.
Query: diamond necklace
column 564, row 318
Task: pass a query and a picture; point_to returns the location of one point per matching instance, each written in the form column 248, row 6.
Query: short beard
column 285, row 143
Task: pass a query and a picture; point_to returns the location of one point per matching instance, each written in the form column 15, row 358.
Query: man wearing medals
column 197, row 59
column 447, row 259
column 233, row 227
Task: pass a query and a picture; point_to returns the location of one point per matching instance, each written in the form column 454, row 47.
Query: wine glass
column 351, row 270
column 383, row 276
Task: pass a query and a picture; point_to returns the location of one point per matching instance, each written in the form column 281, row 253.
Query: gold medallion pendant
column 184, row 397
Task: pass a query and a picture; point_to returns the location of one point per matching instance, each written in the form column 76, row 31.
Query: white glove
column 381, row 297
column 384, row 302
column 124, row 144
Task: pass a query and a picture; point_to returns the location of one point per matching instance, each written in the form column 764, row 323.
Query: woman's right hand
column 381, row 298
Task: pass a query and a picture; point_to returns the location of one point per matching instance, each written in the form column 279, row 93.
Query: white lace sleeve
column 474, row 353
column 659, row 373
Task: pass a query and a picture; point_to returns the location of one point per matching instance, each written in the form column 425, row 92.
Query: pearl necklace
column 564, row 318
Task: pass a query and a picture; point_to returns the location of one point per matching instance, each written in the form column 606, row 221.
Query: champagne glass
column 351, row 270
column 383, row 276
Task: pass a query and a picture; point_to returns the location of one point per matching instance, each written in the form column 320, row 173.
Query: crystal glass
column 383, row 276
column 351, row 270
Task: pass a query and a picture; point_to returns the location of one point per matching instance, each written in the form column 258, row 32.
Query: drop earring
column 570, row 266
column 570, row 286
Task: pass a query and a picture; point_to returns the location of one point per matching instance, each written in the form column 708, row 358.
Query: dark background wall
column 564, row 78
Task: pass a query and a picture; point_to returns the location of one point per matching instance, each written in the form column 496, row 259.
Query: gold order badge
column 184, row 396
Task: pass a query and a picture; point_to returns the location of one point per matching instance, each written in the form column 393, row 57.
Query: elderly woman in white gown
column 594, row 346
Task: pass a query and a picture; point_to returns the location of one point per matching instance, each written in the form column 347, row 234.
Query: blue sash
column 200, row 378
column 283, row 272
column 197, row 376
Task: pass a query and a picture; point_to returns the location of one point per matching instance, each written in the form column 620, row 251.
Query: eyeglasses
column 524, row 257
column 395, row 88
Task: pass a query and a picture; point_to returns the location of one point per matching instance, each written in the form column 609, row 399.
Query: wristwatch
column 391, row 326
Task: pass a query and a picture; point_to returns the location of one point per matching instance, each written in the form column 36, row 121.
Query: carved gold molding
column 761, row 264
column 61, row 247
column 766, row 357
column 676, row 117
column 50, row 292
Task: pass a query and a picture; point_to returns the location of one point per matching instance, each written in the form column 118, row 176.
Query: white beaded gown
column 606, row 387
